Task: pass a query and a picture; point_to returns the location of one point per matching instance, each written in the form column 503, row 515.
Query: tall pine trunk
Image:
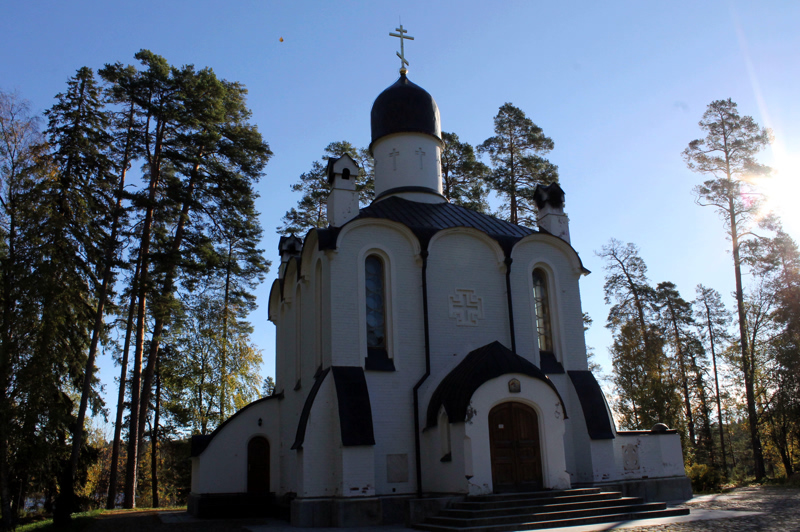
column 111, row 501
column 134, row 435
column 168, row 287
column 747, row 365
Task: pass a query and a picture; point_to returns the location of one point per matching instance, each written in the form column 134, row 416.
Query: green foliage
column 463, row 175
column 646, row 392
column 80, row 522
column 705, row 478
column 517, row 165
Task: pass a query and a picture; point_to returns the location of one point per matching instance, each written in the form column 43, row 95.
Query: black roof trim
column 355, row 411
column 301, row 425
column 481, row 365
column 593, row 403
column 326, row 238
column 397, row 190
column 201, row 441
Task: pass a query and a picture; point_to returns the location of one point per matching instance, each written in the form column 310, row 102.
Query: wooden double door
column 515, row 448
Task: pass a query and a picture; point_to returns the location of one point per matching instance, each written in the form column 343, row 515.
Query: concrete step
column 532, row 494
column 529, row 507
column 545, row 498
column 472, row 522
column 558, row 522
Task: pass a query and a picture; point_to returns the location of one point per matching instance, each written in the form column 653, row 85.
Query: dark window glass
column 542, row 302
column 376, row 311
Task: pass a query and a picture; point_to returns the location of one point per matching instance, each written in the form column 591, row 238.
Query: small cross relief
column 394, row 153
column 466, row 307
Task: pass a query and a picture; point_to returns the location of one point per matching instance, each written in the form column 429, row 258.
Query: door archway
column 258, row 465
column 515, row 448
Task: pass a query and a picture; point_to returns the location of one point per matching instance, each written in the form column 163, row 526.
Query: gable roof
column 478, row 367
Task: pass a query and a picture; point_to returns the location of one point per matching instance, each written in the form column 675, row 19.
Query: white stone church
column 424, row 351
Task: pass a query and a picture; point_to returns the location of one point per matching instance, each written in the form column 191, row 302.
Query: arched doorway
column 515, row 448
column 258, row 465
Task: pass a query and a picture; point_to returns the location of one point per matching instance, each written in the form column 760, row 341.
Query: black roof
column 355, row 411
column 593, row 403
column 427, row 219
column 404, row 107
column 481, row 365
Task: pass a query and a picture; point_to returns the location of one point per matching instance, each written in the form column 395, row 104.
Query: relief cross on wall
column 466, row 307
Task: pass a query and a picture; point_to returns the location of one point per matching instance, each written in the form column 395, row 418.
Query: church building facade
column 425, row 350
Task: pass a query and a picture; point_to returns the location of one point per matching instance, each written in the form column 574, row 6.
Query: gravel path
column 778, row 510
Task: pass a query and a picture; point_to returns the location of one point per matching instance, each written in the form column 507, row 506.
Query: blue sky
column 618, row 86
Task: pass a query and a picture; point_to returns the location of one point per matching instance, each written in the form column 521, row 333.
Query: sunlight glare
column 782, row 191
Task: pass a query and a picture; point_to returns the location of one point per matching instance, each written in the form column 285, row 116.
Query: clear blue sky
column 618, row 86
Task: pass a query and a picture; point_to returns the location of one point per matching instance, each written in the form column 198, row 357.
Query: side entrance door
column 515, row 448
column 258, row 465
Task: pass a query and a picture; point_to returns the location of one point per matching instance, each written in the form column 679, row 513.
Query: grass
column 79, row 523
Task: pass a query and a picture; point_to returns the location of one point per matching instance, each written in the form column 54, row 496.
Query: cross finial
column 402, row 54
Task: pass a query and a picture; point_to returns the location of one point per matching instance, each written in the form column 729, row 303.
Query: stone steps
column 542, row 510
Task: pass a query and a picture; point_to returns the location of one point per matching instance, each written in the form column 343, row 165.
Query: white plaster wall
column 659, row 456
column 544, row 401
column 444, row 477
column 560, row 264
column 408, row 168
column 390, row 392
column 222, row 466
column 464, row 259
column 322, row 447
column 358, row 471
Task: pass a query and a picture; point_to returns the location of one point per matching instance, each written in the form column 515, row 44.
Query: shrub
column 704, row 478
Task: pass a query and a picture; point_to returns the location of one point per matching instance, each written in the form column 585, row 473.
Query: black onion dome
column 405, row 108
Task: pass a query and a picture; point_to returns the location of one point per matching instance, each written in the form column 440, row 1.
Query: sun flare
column 782, row 191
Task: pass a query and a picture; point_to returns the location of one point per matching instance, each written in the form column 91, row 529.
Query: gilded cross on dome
column 402, row 54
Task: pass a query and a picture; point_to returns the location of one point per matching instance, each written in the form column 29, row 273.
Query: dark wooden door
column 258, row 465
column 515, row 448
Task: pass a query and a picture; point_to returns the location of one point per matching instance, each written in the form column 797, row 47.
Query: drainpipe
column 417, row 448
column 508, row 262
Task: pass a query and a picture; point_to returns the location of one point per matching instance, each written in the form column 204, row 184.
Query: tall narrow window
column 318, row 315
column 298, row 332
column 542, row 302
column 375, row 294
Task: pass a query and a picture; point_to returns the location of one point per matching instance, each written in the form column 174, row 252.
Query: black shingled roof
column 481, row 365
column 426, row 219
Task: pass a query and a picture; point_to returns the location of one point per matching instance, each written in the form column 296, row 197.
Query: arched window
column 375, row 298
column 542, row 303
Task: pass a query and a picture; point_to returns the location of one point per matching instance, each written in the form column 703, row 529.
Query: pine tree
column 517, row 165
column 676, row 322
column 82, row 207
column 712, row 320
column 463, row 174
column 20, row 154
column 641, row 369
column 727, row 154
